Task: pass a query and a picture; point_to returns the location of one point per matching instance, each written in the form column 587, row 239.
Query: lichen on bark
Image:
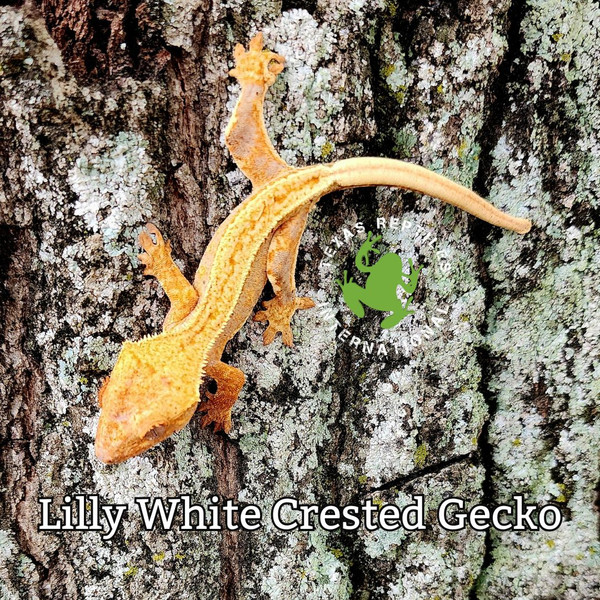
column 112, row 116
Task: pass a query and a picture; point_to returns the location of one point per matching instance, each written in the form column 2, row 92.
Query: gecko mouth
column 112, row 449
column 116, row 441
column 112, row 453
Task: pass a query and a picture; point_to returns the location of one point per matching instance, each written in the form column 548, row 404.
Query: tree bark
column 112, row 115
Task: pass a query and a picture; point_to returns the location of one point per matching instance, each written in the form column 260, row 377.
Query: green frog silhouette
column 380, row 288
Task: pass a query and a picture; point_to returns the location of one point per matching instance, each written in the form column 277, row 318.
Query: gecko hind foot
column 157, row 253
column 256, row 65
column 279, row 315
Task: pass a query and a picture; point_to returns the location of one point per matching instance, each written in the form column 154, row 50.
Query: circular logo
column 375, row 273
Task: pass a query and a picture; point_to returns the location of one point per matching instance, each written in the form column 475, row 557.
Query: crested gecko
column 153, row 389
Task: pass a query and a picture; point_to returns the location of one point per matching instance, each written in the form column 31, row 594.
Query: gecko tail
column 367, row 171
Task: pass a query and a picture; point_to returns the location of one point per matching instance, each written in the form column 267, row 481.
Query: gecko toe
column 221, row 419
column 287, row 336
column 257, row 42
column 279, row 314
column 304, row 303
column 238, row 52
column 260, row 316
column 269, row 335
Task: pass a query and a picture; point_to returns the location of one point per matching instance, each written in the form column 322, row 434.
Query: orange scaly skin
column 153, row 389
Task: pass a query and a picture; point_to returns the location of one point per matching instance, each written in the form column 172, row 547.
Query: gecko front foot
column 256, row 65
column 230, row 381
column 215, row 413
column 156, row 255
column 279, row 315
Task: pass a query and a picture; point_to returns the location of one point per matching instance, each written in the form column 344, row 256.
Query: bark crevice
column 398, row 482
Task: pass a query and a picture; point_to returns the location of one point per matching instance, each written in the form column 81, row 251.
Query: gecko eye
column 155, row 432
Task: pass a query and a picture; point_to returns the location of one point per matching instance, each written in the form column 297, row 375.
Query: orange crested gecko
column 153, row 390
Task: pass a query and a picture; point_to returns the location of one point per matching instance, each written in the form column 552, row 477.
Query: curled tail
column 361, row 172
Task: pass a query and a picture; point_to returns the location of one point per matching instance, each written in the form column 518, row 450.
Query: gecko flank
column 153, row 389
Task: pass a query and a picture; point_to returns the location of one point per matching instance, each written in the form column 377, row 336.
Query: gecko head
column 151, row 394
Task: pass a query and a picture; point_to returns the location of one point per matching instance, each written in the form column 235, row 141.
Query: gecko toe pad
column 217, row 412
column 217, row 407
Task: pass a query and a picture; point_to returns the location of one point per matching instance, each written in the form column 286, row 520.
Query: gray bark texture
column 112, row 114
